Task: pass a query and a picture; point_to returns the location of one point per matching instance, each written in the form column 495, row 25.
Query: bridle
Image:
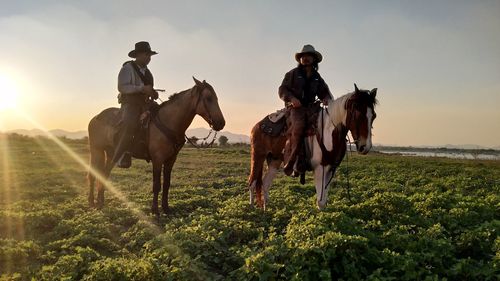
column 200, row 98
column 210, row 120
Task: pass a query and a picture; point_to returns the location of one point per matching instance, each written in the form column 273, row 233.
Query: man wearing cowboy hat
column 299, row 90
column 135, row 84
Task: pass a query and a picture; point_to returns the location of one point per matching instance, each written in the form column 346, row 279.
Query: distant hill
column 447, row 146
column 197, row 132
column 56, row 132
column 236, row 138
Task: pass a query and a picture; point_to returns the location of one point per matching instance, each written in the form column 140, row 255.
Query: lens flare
column 107, row 184
column 8, row 93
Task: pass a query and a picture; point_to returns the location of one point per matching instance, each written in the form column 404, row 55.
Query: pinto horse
column 166, row 138
column 352, row 112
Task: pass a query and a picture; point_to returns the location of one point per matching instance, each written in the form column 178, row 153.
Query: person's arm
column 324, row 93
column 285, row 91
column 125, row 85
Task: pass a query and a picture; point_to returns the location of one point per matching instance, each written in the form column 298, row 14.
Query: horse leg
column 97, row 158
column 255, row 179
column 157, row 167
column 167, row 171
column 104, row 171
column 91, row 181
column 272, row 169
column 322, row 175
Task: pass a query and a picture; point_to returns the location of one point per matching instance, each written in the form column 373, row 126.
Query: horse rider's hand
column 148, row 90
column 295, row 103
column 325, row 101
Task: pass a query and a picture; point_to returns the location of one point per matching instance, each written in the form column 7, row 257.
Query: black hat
column 141, row 47
column 309, row 49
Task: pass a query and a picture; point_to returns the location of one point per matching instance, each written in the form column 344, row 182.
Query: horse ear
column 356, row 88
column 373, row 92
column 197, row 81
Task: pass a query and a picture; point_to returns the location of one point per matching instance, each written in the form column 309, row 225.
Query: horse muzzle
column 218, row 125
column 363, row 149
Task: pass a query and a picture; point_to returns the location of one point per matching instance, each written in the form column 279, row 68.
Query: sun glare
column 8, row 93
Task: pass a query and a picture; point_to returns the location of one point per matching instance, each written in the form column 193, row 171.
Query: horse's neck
column 332, row 128
column 178, row 114
column 334, row 116
column 337, row 110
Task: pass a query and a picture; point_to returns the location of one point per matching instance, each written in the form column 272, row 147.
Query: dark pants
column 296, row 126
column 130, row 126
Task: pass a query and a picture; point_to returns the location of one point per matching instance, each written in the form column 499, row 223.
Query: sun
column 8, row 93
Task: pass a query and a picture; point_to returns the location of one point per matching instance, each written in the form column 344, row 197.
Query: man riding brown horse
column 299, row 89
column 135, row 84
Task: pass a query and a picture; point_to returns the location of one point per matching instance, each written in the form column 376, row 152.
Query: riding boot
column 130, row 121
column 122, row 156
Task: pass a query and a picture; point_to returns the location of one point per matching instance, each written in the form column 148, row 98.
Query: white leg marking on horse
column 268, row 180
column 320, row 183
column 369, row 116
column 251, row 188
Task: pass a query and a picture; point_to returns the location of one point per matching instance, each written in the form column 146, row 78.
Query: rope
column 203, row 139
column 348, row 187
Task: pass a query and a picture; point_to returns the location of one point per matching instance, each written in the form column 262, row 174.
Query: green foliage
column 410, row 219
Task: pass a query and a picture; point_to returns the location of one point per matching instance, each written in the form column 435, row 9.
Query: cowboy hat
column 309, row 49
column 141, row 47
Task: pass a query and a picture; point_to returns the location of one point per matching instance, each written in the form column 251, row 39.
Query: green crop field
column 409, row 219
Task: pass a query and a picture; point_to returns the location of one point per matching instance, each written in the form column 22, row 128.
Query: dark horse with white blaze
column 166, row 138
column 325, row 150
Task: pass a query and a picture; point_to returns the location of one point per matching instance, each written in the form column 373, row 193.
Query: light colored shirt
column 129, row 81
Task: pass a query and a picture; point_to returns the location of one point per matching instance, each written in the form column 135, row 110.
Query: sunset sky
column 436, row 64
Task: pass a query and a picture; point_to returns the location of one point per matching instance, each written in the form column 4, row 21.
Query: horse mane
column 364, row 97
column 173, row 97
column 338, row 109
column 339, row 105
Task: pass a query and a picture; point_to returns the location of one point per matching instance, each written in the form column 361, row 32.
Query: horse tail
column 257, row 162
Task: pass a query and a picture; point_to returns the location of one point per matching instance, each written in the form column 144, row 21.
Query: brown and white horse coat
column 352, row 112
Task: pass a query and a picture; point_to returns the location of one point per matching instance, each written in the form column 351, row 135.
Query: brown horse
column 352, row 112
column 166, row 138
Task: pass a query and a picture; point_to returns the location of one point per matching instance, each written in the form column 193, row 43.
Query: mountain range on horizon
column 232, row 137
column 196, row 132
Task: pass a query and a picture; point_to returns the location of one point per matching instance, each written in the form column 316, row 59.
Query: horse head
column 360, row 109
column 208, row 105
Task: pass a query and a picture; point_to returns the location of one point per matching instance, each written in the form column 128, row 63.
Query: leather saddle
column 274, row 124
column 139, row 148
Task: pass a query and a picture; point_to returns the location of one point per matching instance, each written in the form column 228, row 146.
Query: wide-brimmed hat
column 141, row 47
column 309, row 49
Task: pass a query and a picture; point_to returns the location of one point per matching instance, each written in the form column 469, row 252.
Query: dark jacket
column 296, row 84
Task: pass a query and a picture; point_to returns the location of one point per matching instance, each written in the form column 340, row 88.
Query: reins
column 206, row 145
column 171, row 134
column 325, row 110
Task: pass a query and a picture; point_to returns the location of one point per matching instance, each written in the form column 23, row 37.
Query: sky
column 436, row 64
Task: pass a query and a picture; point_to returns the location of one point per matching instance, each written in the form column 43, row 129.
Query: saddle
column 139, row 148
column 274, row 124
